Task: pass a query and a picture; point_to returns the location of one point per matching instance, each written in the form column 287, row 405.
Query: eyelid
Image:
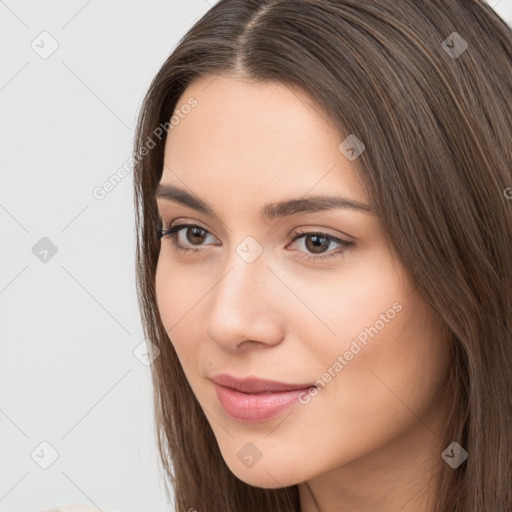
column 175, row 227
column 340, row 236
column 343, row 243
column 186, row 222
column 175, row 220
column 294, row 233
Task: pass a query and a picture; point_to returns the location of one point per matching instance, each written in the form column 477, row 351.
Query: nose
column 245, row 308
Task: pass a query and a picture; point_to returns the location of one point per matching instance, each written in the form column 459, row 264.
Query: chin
column 265, row 474
column 265, row 480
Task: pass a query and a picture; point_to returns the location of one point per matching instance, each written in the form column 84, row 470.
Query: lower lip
column 256, row 407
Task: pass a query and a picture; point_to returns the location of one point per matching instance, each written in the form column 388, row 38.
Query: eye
column 193, row 234
column 317, row 242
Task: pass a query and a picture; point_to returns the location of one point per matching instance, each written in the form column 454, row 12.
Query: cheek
column 179, row 288
column 382, row 360
column 177, row 297
column 391, row 374
column 336, row 308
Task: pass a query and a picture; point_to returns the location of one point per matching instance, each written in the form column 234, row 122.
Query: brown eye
column 195, row 235
column 316, row 244
column 186, row 236
column 319, row 246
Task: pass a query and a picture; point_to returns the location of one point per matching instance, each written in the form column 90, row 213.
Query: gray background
column 69, row 323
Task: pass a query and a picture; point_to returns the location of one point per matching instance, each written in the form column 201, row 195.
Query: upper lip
column 255, row 384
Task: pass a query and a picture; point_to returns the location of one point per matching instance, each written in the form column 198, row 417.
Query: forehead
column 260, row 137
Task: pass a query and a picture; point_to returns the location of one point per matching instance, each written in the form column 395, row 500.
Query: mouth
column 255, row 400
column 255, row 385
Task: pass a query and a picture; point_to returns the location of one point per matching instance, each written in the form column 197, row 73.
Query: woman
column 324, row 257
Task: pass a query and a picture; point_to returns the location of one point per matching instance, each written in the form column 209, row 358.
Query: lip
column 252, row 399
column 255, row 384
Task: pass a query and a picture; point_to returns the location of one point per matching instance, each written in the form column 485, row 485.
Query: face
column 313, row 297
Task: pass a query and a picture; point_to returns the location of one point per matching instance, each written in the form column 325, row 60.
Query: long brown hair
column 427, row 86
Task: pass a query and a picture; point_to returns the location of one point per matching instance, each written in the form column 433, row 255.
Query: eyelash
column 173, row 231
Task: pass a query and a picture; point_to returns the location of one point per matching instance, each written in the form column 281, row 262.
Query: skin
column 370, row 439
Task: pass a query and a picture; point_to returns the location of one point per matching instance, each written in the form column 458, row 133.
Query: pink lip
column 252, row 399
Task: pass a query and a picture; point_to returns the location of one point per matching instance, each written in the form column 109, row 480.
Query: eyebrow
column 309, row 204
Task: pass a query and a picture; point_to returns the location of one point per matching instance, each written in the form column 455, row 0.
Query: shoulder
column 76, row 507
